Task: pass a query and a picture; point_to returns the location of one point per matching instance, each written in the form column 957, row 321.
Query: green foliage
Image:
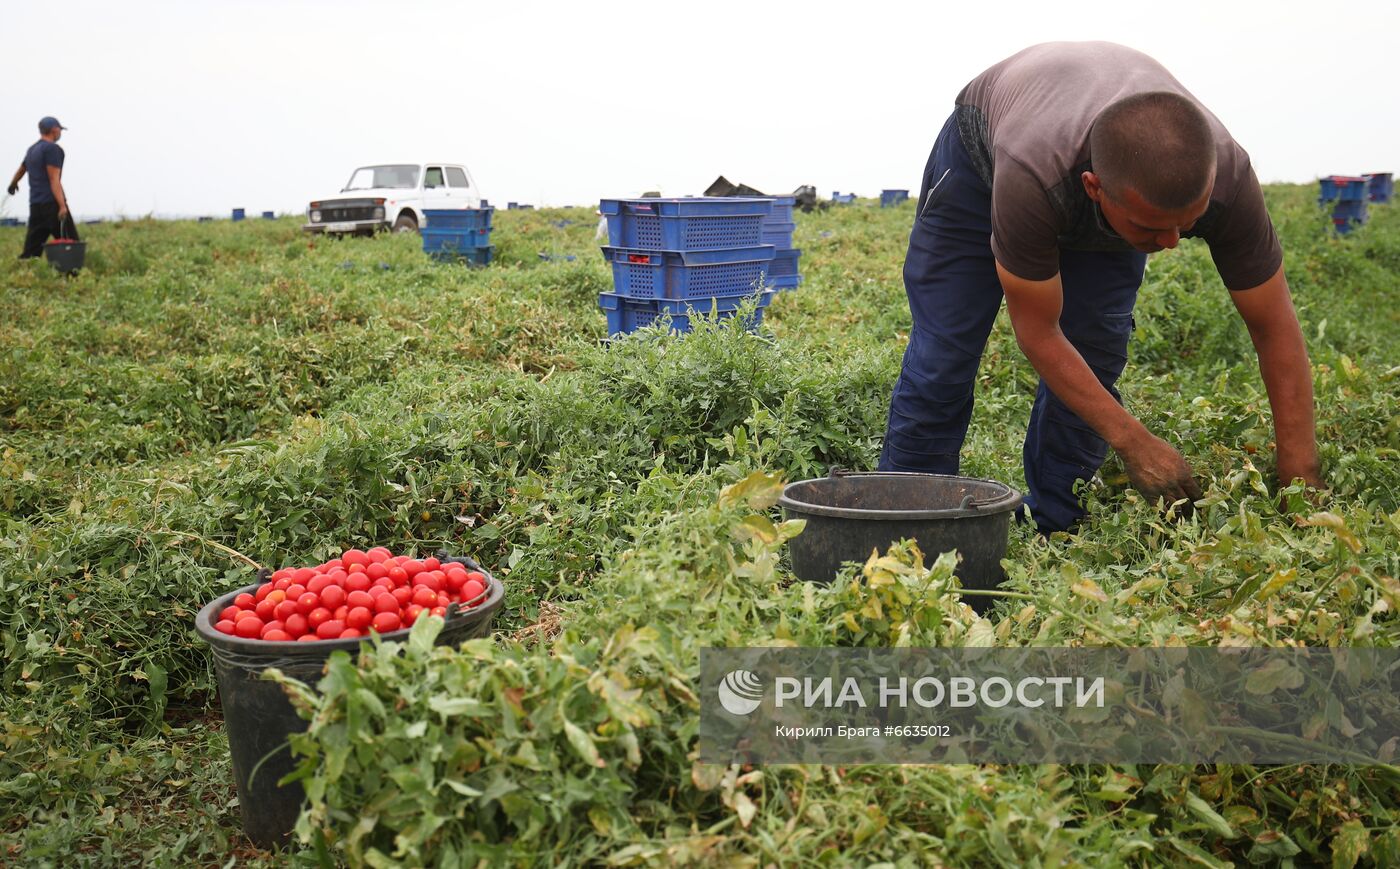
column 206, row 394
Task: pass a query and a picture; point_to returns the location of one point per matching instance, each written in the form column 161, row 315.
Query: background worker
column 48, row 206
column 1059, row 170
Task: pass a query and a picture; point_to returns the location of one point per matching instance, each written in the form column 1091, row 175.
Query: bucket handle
column 969, row 501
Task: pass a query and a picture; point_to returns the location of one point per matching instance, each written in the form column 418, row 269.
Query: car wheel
column 405, row 223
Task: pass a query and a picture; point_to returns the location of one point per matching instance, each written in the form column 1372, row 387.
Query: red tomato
column 281, row 572
column 359, row 598
column 224, row 626
column 357, row 582
column 229, row 613
column 472, row 589
column 404, row 596
column 354, row 556
column 302, row 574
column 425, row 597
column 247, row 601
column 276, row 596
column 383, row 584
column 386, row 622
column 382, row 551
column 264, row 609
column 333, row 596
column 318, row 583
column 477, row 575
column 443, row 598
column 307, row 638
column 339, row 613
column 351, row 633
column 455, row 580
column 359, row 617
column 281, row 583
column 431, row 563
column 397, row 575
column 386, row 603
column 337, row 575
column 317, row 617
column 296, row 590
column 296, row 625
column 277, row 636
column 330, row 629
column 248, row 627
column 272, row 626
column 428, row 580
column 439, row 611
column 413, row 567
column 410, row 615
column 377, row 570
column 286, row 609
column 307, row 602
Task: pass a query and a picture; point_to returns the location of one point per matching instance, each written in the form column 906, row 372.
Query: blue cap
column 48, row 123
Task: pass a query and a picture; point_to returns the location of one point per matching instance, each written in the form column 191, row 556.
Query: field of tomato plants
column 206, row 397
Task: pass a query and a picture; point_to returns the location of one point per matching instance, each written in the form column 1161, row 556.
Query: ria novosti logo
column 740, row 692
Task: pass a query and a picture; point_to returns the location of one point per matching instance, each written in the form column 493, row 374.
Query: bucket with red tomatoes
column 292, row 619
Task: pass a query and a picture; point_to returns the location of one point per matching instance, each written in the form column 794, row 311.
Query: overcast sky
column 199, row 107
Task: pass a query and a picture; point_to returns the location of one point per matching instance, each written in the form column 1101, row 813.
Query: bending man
column 1059, row 170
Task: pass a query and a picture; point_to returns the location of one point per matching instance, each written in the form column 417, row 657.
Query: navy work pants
column 954, row 295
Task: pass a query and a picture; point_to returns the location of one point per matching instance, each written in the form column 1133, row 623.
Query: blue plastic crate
column 842, row 198
column 454, row 239
column 239, row 214
column 472, row 256
column 784, row 264
column 639, row 273
column 778, row 234
column 1354, row 209
column 459, row 218
column 1380, row 186
column 628, row 315
column 1344, row 187
column 695, row 223
column 891, row 198
column 782, row 210
column 1344, row 225
column 268, row 215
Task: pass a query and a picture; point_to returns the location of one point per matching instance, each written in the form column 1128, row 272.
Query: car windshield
column 370, row 177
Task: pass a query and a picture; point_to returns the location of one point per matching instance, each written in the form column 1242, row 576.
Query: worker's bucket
column 66, row 255
column 259, row 717
column 850, row 514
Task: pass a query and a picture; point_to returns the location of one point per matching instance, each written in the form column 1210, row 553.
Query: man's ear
column 1092, row 185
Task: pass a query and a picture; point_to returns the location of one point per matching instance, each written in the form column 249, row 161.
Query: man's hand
column 62, row 215
column 1156, row 469
column 12, row 189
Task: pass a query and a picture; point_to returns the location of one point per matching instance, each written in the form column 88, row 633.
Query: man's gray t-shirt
column 1025, row 123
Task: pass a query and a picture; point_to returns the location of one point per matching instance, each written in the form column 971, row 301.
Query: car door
column 436, row 193
column 460, row 185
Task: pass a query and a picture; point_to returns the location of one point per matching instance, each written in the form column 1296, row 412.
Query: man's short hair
column 1159, row 144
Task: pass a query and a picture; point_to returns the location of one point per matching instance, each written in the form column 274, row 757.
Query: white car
column 393, row 196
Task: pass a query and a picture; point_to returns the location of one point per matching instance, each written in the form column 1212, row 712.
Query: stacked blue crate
column 1349, row 193
column 458, row 234
column 782, row 273
column 675, row 257
column 891, row 198
column 1380, row 187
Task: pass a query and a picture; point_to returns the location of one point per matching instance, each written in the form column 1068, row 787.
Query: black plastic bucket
column 259, row 717
column 66, row 255
column 851, row 513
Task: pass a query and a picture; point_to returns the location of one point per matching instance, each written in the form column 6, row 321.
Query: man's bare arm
column 1154, row 466
column 1268, row 313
